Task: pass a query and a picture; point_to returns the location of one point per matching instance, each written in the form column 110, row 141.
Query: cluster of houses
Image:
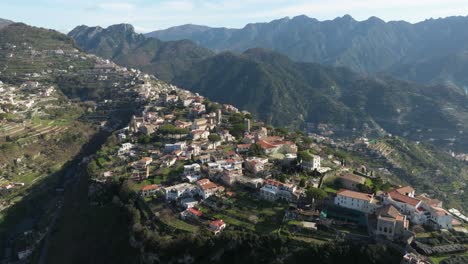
column 200, row 147
column 394, row 209
column 196, row 143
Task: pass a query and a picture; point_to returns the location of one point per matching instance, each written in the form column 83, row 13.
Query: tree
column 315, row 194
column 214, row 138
column 302, row 183
column 255, row 150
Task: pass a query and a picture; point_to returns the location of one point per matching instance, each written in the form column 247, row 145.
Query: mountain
column 450, row 69
column 121, row 44
column 284, row 92
column 5, row 22
column 368, row 46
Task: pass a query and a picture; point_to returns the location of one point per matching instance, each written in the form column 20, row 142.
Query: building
column 351, row 181
column 125, row 148
column 406, row 190
column 217, row 226
column 313, row 164
column 180, row 191
column 199, row 124
column 274, row 190
column 230, row 175
column 206, row 188
column 200, row 134
column 188, row 203
column 149, row 190
column 255, row 165
column 176, row 146
column 390, row 222
column 191, row 213
column 358, row 201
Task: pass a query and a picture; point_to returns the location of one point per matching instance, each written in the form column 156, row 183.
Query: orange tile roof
column 405, row 189
column 150, row 187
column 217, row 223
column 395, row 195
column 195, row 211
column 355, row 195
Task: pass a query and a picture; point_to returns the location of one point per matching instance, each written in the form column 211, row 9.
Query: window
column 385, row 229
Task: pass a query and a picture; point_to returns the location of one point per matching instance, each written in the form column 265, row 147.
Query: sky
column 149, row 15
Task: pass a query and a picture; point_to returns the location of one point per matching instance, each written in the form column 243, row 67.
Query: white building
column 313, row 164
column 274, row 190
column 358, row 201
column 180, row 190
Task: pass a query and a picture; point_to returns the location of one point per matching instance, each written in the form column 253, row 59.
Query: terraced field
column 28, row 130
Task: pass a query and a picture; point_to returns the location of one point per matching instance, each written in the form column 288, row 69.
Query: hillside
column 365, row 46
column 283, row 92
column 5, row 22
column 56, row 104
column 121, row 44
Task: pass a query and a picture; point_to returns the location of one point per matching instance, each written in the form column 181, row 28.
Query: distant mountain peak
column 122, row 27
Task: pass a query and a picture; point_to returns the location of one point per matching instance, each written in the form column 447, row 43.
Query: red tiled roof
column 217, row 223
column 355, row 195
column 405, row 189
column 195, row 211
column 265, row 145
column 395, row 195
column 150, row 187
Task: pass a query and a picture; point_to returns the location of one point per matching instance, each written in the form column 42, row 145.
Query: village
column 202, row 165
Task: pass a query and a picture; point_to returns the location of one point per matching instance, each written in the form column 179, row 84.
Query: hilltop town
column 199, row 165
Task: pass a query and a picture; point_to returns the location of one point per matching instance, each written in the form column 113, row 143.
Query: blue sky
column 148, row 15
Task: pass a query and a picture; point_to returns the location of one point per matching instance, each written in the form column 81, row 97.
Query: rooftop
column 355, row 195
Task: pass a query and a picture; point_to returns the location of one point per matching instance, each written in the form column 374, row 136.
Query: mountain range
column 124, row 46
column 284, row 92
column 370, row 46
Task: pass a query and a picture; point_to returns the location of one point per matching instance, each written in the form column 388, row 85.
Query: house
column 351, row 181
column 217, row 226
column 188, row 203
column 243, row 148
column 182, row 124
column 168, row 161
column 230, row 175
column 207, row 188
column 199, row 124
column 135, row 123
column 362, row 202
column 143, row 162
column 204, row 158
column 439, row 218
column 192, row 172
column 200, row 134
column 390, row 222
column 273, row 145
column 274, row 190
column 122, row 136
column 191, row 213
column 226, row 136
column 407, row 205
column 255, row 165
column 149, row 190
column 312, row 164
column 180, row 191
column 125, row 148
column 406, row 190
column 176, row 146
